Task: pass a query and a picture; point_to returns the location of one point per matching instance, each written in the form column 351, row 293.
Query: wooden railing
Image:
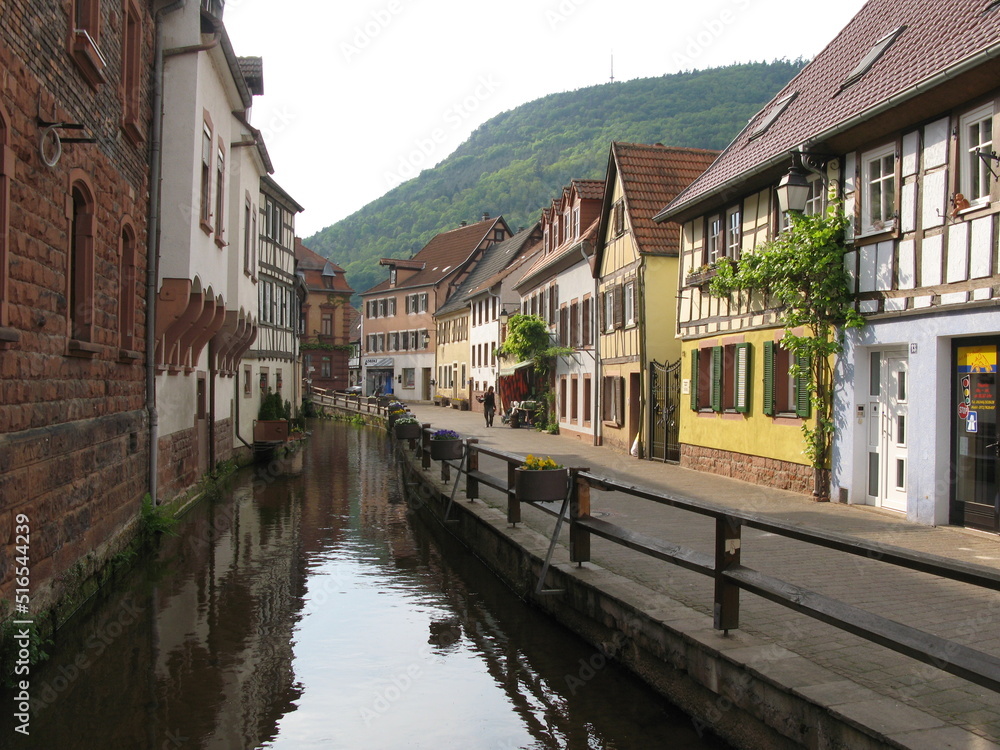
column 349, row 401
column 724, row 566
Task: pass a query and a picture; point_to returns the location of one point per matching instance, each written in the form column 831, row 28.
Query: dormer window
column 873, row 56
column 772, row 114
column 392, row 276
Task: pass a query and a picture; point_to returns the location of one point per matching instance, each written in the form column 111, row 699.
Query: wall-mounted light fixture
column 795, row 188
column 427, row 339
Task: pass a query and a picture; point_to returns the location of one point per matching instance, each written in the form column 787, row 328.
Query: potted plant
column 407, row 427
column 394, row 411
column 446, row 444
column 540, row 480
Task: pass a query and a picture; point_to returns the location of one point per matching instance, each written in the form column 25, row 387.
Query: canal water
column 311, row 610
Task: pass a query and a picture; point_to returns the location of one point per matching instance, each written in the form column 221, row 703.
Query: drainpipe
column 640, row 303
column 596, row 389
column 153, row 244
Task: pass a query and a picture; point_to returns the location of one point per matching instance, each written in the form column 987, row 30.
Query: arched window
column 7, row 335
column 80, row 281
column 126, row 289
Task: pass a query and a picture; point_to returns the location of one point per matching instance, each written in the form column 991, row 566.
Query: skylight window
column 767, row 120
column 873, row 56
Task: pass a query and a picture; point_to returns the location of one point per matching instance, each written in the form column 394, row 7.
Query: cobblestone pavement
column 957, row 611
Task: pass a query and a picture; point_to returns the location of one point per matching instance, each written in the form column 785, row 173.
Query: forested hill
column 515, row 163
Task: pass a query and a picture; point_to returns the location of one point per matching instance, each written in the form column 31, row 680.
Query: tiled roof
column 444, row 253
column 493, row 262
column 939, row 37
column 252, row 69
column 651, row 176
column 590, row 189
column 551, row 259
column 313, row 265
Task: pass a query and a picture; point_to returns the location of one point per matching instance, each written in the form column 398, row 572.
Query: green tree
column 801, row 272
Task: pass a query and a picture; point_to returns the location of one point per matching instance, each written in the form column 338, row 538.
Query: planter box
column 270, row 431
column 540, row 486
column 407, row 431
column 446, row 449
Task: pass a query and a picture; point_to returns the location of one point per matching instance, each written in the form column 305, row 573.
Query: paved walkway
column 952, row 610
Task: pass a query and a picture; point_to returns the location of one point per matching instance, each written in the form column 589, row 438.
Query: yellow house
column 636, row 270
column 744, row 412
column 452, row 356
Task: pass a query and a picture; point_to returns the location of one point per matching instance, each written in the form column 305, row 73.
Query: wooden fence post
column 727, row 555
column 579, row 507
column 513, row 504
column 425, row 445
column 471, row 465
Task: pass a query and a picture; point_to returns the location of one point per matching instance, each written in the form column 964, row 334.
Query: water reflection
column 310, row 611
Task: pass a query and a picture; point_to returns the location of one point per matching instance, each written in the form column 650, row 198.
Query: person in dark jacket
column 489, row 405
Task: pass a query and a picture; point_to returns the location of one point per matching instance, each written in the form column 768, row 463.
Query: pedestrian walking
column 489, row 405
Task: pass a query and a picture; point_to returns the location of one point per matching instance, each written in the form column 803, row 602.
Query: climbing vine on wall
column 802, row 273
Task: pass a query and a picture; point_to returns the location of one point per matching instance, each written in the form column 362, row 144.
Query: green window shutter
column 716, row 378
column 769, row 378
column 802, row 396
column 742, row 379
column 694, row 380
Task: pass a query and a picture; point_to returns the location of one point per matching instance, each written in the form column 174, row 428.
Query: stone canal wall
column 751, row 692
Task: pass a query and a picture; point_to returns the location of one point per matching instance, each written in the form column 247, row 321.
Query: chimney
column 486, row 215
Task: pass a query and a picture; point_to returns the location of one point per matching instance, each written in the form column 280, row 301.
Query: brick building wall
column 73, row 427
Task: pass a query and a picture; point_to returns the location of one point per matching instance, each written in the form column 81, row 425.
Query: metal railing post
column 579, row 507
column 727, row 556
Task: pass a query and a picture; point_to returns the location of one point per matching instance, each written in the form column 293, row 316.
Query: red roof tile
column 651, row 176
column 312, row 266
column 939, row 37
column 551, row 259
column 444, row 253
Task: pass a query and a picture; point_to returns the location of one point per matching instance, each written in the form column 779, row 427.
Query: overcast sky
column 360, row 96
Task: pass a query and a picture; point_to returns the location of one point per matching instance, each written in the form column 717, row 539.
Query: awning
column 515, row 367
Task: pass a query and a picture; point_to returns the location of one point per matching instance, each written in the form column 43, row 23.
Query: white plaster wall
column 929, row 450
column 575, row 283
column 193, row 84
column 488, row 333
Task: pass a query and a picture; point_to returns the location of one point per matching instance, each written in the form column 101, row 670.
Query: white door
column 894, row 434
column 887, row 429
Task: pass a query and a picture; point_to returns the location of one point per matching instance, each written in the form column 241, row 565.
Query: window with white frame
column 630, row 318
column 878, row 185
column 816, row 202
column 975, row 137
column 713, row 239
column 734, row 232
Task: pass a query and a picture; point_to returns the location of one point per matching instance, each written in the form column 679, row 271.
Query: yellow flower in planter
column 536, row 463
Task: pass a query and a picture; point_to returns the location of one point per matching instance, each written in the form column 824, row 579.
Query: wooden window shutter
column 769, row 378
column 620, row 396
column 742, row 379
column 716, row 378
column 617, row 304
column 694, row 380
column 803, row 398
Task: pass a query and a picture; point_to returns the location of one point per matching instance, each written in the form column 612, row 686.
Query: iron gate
column 664, row 411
